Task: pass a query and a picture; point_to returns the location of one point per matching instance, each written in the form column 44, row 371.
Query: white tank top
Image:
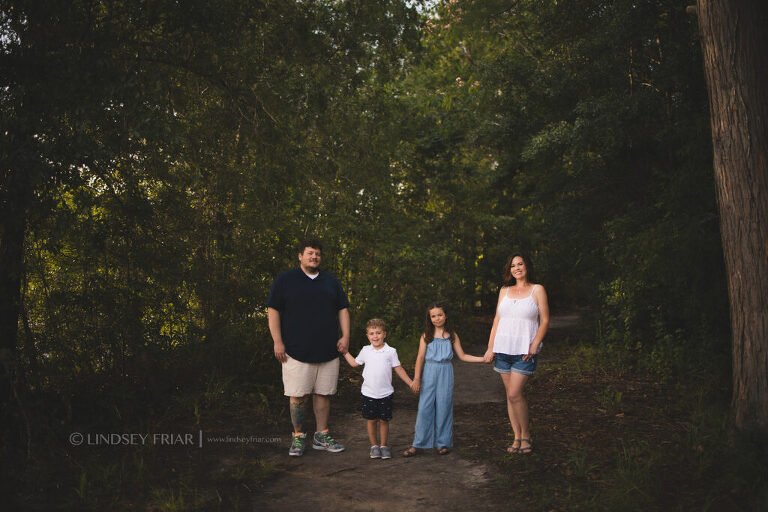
column 518, row 325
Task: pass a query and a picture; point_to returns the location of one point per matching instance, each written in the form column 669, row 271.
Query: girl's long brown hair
column 429, row 327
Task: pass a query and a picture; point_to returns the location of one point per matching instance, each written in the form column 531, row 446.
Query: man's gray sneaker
column 297, row 445
column 385, row 453
column 324, row 441
column 375, row 452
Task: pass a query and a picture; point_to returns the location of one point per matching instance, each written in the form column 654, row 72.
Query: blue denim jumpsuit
column 434, row 421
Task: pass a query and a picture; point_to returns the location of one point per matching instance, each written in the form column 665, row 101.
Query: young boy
column 379, row 360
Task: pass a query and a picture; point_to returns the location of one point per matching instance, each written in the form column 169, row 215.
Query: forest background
column 163, row 159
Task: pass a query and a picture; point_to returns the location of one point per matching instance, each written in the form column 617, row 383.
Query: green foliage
column 652, row 443
column 163, row 160
column 610, row 400
column 601, row 158
column 581, row 464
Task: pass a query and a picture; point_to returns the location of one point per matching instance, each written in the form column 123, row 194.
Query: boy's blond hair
column 376, row 322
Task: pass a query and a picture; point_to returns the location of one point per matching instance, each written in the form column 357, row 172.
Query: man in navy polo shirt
column 306, row 307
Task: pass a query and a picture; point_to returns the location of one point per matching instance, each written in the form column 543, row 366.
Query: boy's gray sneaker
column 375, row 452
column 385, row 453
column 297, row 445
column 324, row 441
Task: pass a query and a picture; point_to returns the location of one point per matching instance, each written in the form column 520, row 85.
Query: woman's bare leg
column 517, row 407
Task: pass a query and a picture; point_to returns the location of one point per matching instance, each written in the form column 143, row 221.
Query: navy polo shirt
column 309, row 311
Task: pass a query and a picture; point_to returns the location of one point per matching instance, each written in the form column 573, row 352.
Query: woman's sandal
column 444, row 450
column 410, row 452
column 514, row 447
column 525, row 449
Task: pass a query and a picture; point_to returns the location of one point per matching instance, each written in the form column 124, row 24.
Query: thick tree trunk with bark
column 734, row 41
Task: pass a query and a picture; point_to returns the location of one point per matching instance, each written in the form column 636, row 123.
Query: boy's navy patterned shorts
column 377, row 408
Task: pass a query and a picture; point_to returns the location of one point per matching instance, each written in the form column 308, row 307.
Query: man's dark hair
column 310, row 242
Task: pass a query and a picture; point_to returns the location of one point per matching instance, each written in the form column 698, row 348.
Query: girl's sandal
column 410, row 452
column 514, row 447
column 525, row 449
column 444, row 450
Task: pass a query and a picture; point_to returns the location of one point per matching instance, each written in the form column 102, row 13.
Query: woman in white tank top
column 521, row 321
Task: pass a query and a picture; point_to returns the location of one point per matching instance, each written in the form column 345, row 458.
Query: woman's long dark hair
column 507, row 277
column 429, row 327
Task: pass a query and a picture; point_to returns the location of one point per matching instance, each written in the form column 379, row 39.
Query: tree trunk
column 12, row 229
column 735, row 49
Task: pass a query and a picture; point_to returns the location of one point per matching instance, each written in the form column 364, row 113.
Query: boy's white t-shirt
column 377, row 374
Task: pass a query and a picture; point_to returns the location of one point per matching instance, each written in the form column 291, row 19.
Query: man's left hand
column 343, row 345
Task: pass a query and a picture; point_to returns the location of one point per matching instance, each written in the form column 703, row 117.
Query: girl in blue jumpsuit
column 434, row 421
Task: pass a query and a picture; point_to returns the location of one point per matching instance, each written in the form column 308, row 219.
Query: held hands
column 488, row 357
column 343, row 345
column 416, row 385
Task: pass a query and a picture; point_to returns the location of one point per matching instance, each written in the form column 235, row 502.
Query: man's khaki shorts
column 301, row 379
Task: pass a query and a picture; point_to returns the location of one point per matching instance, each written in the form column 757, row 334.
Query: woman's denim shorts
column 505, row 363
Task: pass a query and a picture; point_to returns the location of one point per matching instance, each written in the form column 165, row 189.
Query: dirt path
column 350, row 480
